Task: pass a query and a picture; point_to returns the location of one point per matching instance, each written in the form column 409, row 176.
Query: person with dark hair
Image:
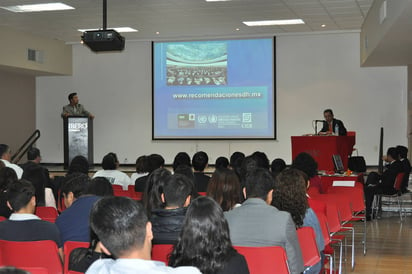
column 221, row 162
column 205, row 223
column 34, row 159
column 305, row 162
column 182, row 158
column 277, row 166
column 382, row 183
column 155, row 161
column 74, row 108
column 290, row 196
column 7, row 177
column 332, row 126
column 131, row 244
column 406, row 166
column 167, row 222
column 23, row 225
column 234, row 159
column 262, row 159
column 276, row 228
column 152, row 196
column 110, row 164
column 73, row 222
column 142, row 167
column 36, row 175
column 5, row 157
column 79, row 164
column 100, row 186
column 224, row 188
column 200, row 162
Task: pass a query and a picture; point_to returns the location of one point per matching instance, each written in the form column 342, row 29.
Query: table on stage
column 322, row 148
column 327, row 181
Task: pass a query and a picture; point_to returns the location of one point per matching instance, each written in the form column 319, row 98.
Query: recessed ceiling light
column 237, row 28
column 38, row 7
column 323, row 25
column 274, row 22
column 119, row 29
column 157, row 32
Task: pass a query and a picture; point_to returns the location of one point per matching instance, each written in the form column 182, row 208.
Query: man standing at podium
column 74, row 108
column 332, row 126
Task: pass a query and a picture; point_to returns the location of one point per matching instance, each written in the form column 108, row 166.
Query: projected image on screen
column 221, row 89
column 196, row 64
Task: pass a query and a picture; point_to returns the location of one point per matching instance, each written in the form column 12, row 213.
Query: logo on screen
column 247, row 117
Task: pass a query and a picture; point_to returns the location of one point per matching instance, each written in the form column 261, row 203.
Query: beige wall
column 18, row 108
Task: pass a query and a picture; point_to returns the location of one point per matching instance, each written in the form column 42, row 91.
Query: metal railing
column 25, row 147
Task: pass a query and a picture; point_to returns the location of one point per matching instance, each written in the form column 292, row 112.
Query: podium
column 78, row 138
column 322, row 148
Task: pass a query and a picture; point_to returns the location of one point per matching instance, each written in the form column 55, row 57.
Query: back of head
column 200, row 161
column 142, row 164
column 305, row 162
column 7, row 176
column 290, row 194
column 176, row 189
column 77, row 185
column 79, row 164
column 204, row 241
column 186, row 171
column 3, row 150
column 234, row 158
column 262, row 159
column 248, row 165
column 221, row 162
column 402, row 151
column 224, row 188
column 110, row 161
column 155, row 161
column 258, row 183
column 154, row 188
column 120, row 224
column 19, row 194
column 100, row 186
column 393, row 153
column 182, row 158
column 277, row 165
column 33, row 153
column 36, row 175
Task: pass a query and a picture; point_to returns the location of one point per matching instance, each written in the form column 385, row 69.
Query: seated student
column 110, row 164
column 221, row 162
column 205, row 223
column 23, row 225
column 7, row 177
column 262, row 159
column 100, row 186
column 167, row 222
column 34, row 159
column 155, row 161
column 290, row 195
column 406, row 166
column 182, row 158
column 73, row 222
column 152, row 196
column 5, row 157
column 305, row 162
column 37, row 176
column 131, row 244
column 141, row 168
column 224, row 188
column 257, row 223
column 277, row 166
column 200, row 161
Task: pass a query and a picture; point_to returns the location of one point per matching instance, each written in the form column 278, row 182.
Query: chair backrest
column 47, row 213
column 355, row 194
column 307, row 241
column 161, row 252
column 398, row 181
column 2, row 218
column 324, row 227
column 202, row 193
column 133, row 194
column 68, row 248
column 262, row 260
column 31, row 254
column 118, row 191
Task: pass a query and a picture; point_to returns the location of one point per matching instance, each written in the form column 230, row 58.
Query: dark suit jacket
column 201, row 181
column 406, row 168
column 342, row 129
column 389, row 175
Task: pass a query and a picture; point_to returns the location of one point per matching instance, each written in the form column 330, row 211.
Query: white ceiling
column 187, row 18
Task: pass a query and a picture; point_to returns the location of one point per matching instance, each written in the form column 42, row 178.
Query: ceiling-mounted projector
column 103, row 40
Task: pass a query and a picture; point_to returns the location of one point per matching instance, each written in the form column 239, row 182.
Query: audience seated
column 131, row 244
column 5, row 157
column 262, row 159
column 257, row 223
column 305, row 162
column 110, row 164
column 205, row 242
column 37, row 176
column 200, row 162
column 277, row 166
column 224, row 188
column 154, row 188
column 7, row 177
column 73, row 222
column 100, row 186
column 406, row 166
column 182, row 158
column 167, row 222
column 34, row 159
column 290, row 195
column 382, row 184
column 23, row 225
column 221, row 162
column 142, row 168
column 155, row 161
